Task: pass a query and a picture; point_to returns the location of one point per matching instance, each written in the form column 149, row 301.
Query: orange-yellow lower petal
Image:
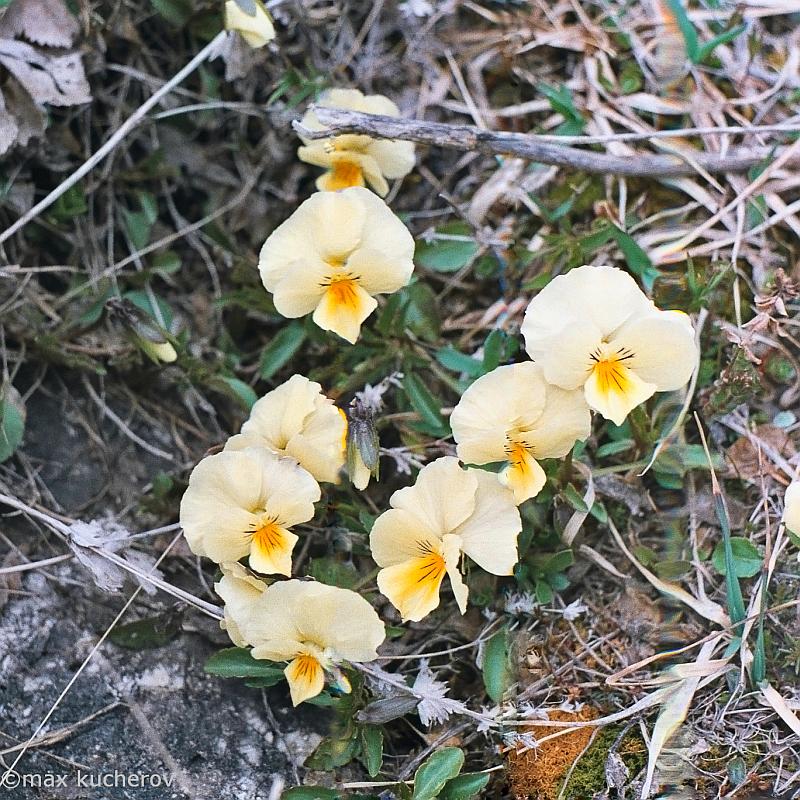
column 523, row 475
column 305, row 677
column 412, row 587
column 614, row 390
column 271, row 550
column 343, row 307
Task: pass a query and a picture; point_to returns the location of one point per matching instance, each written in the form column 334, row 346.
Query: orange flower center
column 343, row 293
column 612, row 376
column 345, row 173
column 269, row 537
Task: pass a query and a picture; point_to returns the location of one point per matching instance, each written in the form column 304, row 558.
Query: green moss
column 589, row 776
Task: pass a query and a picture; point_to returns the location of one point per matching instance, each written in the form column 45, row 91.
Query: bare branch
column 533, row 147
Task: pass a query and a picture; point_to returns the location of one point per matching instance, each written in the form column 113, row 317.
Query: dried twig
column 532, row 147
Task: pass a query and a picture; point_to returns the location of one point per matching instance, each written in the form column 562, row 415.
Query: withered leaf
column 44, row 22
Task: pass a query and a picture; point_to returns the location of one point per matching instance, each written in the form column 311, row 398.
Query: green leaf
column 496, row 670
column 327, row 569
column 638, row 261
column 281, row 349
column 242, row 391
column 746, row 558
column 436, row 770
column 167, row 262
column 335, row 751
column 493, row 350
column 614, row 448
column 421, row 314
column 310, row 793
column 456, row 361
column 424, row 403
column 176, row 12
column 372, row 749
column 447, row 254
column 672, row 570
column 686, row 28
column 158, row 310
column 465, row 786
column 559, row 561
column 544, row 592
column 12, row 421
column 151, row 632
column 575, row 499
column 236, row 662
column 707, row 48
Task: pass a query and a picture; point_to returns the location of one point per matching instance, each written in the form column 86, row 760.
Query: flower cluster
column 244, row 502
column 343, row 245
column 597, row 343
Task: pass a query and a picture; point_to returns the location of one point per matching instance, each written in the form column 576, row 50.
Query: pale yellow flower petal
column 274, row 649
column 239, row 590
column 791, row 507
column 319, row 446
column 398, row 535
column 217, row 508
column 451, row 549
column 442, row 497
column 300, row 288
column 523, row 475
column 340, row 621
column 394, row 157
column 505, row 399
column 337, row 621
column 489, row 536
column 281, row 413
column 565, row 353
column 385, row 233
column 361, row 474
column 257, row 29
column 326, row 227
column 292, row 492
column 614, row 391
column 376, row 159
column 604, row 296
column 298, row 420
column 383, row 271
column 370, row 104
column 662, row 349
column 565, row 419
column 314, row 261
column 306, row 678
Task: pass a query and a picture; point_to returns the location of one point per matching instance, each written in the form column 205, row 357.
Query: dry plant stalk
column 535, row 148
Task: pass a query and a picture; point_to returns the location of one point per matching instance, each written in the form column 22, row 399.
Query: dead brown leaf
column 743, row 454
column 39, row 76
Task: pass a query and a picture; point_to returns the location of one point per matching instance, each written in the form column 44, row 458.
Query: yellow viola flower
column 513, row 415
column 239, row 589
column 355, row 159
column 256, row 28
column 314, row 627
column 332, row 256
column 791, row 507
column 594, row 329
column 244, row 503
column 297, row 420
column 448, row 512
